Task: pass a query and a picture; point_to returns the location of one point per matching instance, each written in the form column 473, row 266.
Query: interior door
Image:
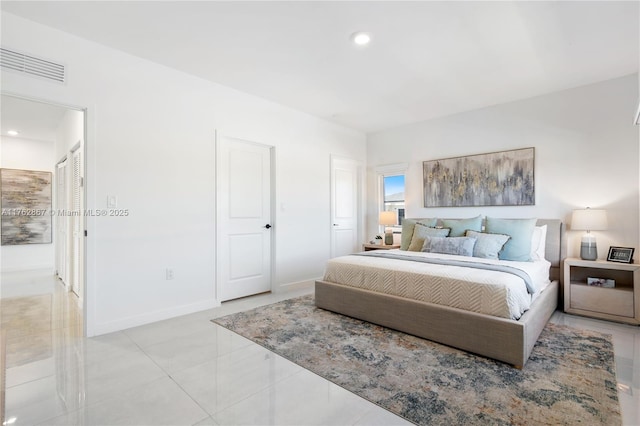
column 62, row 221
column 345, row 206
column 244, row 225
column 77, row 221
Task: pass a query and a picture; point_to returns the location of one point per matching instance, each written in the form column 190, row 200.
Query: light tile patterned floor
column 189, row 371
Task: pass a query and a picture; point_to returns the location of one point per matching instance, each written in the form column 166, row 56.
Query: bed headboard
column 555, row 249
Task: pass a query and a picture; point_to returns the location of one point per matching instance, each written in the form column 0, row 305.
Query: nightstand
column 620, row 303
column 368, row 247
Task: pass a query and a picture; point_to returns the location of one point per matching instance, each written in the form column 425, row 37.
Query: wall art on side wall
column 495, row 179
column 26, row 207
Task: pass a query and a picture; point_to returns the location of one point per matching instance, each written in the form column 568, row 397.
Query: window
column 393, row 190
column 391, row 181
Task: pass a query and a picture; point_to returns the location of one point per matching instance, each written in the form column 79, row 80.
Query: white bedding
column 484, row 291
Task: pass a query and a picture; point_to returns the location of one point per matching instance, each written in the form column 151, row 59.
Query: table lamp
column 589, row 220
column 388, row 219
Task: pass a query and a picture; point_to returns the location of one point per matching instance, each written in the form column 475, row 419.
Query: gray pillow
column 407, row 230
column 421, row 231
column 488, row 246
column 462, row 246
column 460, row 226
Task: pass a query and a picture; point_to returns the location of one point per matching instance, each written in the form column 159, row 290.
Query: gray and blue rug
column 569, row 378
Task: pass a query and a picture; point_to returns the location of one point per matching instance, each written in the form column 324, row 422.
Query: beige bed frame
column 503, row 339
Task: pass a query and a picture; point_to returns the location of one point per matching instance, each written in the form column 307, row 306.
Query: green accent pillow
column 420, row 232
column 407, row 230
column 518, row 248
column 459, row 227
column 488, row 246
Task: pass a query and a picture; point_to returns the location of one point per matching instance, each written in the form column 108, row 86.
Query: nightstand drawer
column 610, row 301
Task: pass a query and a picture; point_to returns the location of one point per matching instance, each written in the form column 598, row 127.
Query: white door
column 345, row 206
column 244, row 225
column 77, row 222
column 62, row 221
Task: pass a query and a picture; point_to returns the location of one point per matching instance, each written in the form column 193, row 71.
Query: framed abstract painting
column 25, row 197
column 503, row 178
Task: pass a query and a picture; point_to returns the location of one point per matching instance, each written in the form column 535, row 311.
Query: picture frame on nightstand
column 620, row 254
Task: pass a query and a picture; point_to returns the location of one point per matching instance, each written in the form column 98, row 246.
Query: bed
column 504, row 339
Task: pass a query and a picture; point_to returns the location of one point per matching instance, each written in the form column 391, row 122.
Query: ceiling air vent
column 27, row 64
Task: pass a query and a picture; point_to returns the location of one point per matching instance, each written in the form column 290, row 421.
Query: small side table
column 620, row 303
column 369, row 247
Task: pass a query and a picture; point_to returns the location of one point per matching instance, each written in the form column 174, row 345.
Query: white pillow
column 538, row 242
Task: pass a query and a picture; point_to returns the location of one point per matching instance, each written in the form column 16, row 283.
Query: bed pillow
column 488, row 246
column 407, row 230
column 518, row 248
column 460, row 226
column 421, row 231
column 462, row 246
column 539, row 243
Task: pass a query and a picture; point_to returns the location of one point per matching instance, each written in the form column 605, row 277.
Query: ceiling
column 33, row 120
column 426, row 59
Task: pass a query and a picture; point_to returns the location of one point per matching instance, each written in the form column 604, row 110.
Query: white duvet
column 488, row 292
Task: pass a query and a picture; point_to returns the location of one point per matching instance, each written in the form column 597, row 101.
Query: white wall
column 26, row 154
column 150, row 142
column 586, row 154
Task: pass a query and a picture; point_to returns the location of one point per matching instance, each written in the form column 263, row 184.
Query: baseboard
column 148, row 318
column 296, row 285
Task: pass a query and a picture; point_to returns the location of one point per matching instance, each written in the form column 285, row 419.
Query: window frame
column 387, row 171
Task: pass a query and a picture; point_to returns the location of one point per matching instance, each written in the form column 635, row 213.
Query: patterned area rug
column 569, row 378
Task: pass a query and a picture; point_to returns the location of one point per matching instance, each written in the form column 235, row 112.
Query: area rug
column 569, row 378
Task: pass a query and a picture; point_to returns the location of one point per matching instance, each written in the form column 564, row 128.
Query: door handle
column 335, row 224
column 267, row 226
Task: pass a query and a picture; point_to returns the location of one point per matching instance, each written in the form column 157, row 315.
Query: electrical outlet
column 169, row 274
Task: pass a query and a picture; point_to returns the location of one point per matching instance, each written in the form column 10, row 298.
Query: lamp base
column 588, row 248
column 388, row 238
column 588, row 252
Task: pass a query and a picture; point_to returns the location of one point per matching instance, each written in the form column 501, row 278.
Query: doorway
column 48, row 137
column 244, row 225
column 346, row 206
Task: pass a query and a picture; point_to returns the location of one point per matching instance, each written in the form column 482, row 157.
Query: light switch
column 112, row 202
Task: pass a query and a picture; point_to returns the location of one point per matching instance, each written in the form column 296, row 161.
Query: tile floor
column 189, row 371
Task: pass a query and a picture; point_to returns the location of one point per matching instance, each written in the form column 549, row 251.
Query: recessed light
column 13, row 133
column 361, row 38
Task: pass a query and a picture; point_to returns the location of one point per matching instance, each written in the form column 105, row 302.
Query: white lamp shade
column 589, row 220
column 388, row 218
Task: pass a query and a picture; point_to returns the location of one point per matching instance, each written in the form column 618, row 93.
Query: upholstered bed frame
column 503, row 339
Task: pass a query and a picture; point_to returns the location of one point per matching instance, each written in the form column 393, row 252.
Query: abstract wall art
column 25, row 197
column 496, row 179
